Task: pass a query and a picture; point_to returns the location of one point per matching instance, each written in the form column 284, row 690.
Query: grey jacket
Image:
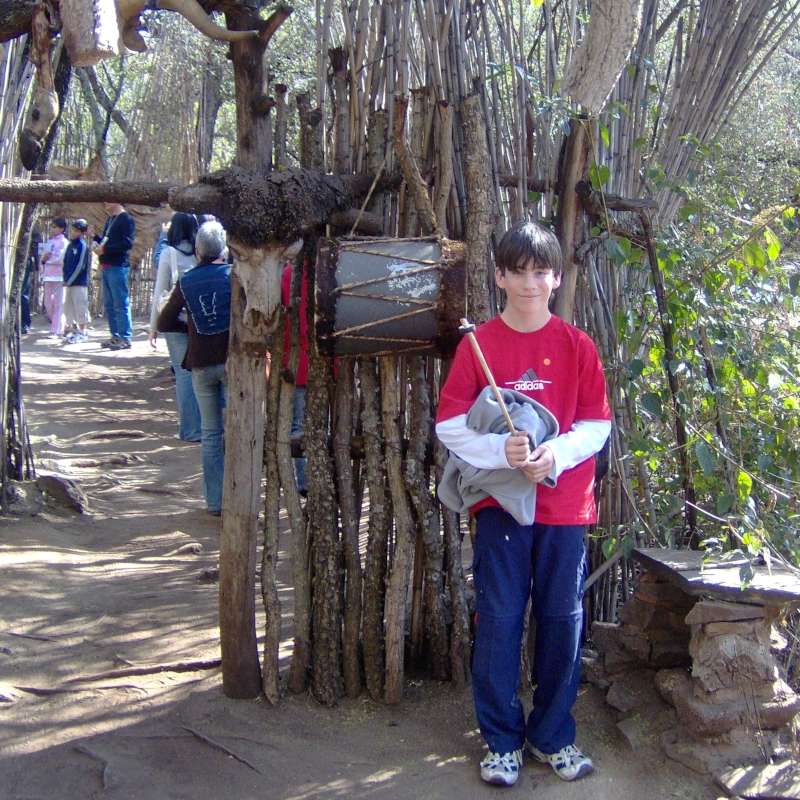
column 463, row 485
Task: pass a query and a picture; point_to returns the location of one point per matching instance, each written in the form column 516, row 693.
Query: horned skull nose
column 36, row 113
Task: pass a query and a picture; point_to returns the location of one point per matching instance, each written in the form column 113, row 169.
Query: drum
column 389, row 296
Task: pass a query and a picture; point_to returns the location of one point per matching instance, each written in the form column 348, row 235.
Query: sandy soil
column 86, row 594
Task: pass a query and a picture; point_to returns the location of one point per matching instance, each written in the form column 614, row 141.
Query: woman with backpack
column 205, row 292
column 177, row 258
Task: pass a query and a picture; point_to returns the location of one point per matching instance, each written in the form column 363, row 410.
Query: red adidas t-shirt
column 558, row 366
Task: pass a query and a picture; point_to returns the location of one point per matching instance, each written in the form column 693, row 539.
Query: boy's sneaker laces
column 568, row 763
column 501, row 770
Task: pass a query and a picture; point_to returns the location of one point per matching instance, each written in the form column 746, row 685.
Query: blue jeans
column 188, row 412
column 297, row 430
column 513, row 562
column 115, row 300
column 210, row 387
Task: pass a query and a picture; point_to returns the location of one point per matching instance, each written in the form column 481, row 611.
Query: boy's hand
column 539, row 464
column 518, row 449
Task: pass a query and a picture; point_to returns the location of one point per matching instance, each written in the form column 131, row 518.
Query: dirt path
column 82, row 595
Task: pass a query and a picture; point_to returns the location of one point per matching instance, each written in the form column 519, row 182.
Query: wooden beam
column 16, row 190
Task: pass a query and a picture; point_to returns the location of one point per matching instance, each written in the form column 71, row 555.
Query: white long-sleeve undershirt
column 488, row 450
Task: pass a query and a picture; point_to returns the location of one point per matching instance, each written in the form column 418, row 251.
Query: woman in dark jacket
column 205, row 292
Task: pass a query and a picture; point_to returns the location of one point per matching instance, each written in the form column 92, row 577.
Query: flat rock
column 593, row 671
column 706, row 611
column 677, row 746
column 668, row 681
column 637, row 612
column 723, row 661
column 664, row 594
column 633, row 691
column 781, row 780
column 64, row 491
column 705, row 720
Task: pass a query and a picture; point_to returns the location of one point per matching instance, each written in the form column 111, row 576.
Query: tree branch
column 16, row 190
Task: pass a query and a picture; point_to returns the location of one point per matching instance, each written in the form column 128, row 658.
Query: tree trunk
column 208, row 108
column 570, row 212
column 244, row 449
column 380, row 520
column 460, row 655
column 325, row 547
column 482, row 214
column 419, row 434
column 298, row 519
column 405, row 532
column 349, row 514
column 272, row 509
column 241, row 676
column 281, row 119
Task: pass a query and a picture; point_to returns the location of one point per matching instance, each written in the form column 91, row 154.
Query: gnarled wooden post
column 256, row 294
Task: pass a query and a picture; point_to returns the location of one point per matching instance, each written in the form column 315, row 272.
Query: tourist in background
column 75, row 304
column 113, row 251
column 205, row 292
column 52, row 278
column 177, row 258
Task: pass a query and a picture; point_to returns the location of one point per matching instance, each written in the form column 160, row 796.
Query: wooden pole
column 245, row 422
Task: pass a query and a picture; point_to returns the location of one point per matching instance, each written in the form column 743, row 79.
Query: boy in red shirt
column 537, row 354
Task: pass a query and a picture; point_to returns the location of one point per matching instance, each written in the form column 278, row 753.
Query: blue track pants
column 513, row 562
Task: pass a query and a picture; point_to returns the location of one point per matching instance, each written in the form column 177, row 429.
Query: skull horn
column 193, row 11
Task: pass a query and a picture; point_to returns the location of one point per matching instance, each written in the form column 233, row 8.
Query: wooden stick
column 221, row 747
column 488, row 373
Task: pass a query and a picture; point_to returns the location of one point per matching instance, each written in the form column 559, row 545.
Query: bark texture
column 272, row 508
column 482, row 214
column 570, row 212
column 417, row 481
column 379, row 526
column 405, row 533
column 244, row 449
column 349, row 515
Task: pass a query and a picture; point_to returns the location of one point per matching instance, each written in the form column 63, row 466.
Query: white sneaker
column 568, row 763
column 81, row 337
column 501, row 770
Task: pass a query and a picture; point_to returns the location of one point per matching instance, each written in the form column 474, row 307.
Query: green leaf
column 689, row 210
column 631, row 70
column 615, row 252
column 794, row 284
column 725, row 502
column 652, row 402
column 637, row 367
column 537, row 3
column 628, row 546
column 746, row 574
column 604, row 134
column 705, row 457
column 640, row 142
column 744, row 483
column 754, row 255
column 773, row 245
column 599, row 175
column 609, row 547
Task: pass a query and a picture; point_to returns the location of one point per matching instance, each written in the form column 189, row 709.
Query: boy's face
column 75, row 233
column 55, row 229
column 529, row 288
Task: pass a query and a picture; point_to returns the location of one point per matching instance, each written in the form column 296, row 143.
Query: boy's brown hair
column 526, row 242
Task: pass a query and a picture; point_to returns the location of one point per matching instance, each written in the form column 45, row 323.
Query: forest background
column 699, row 333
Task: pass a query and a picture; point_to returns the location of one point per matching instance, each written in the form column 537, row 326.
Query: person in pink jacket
column 52, row 274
